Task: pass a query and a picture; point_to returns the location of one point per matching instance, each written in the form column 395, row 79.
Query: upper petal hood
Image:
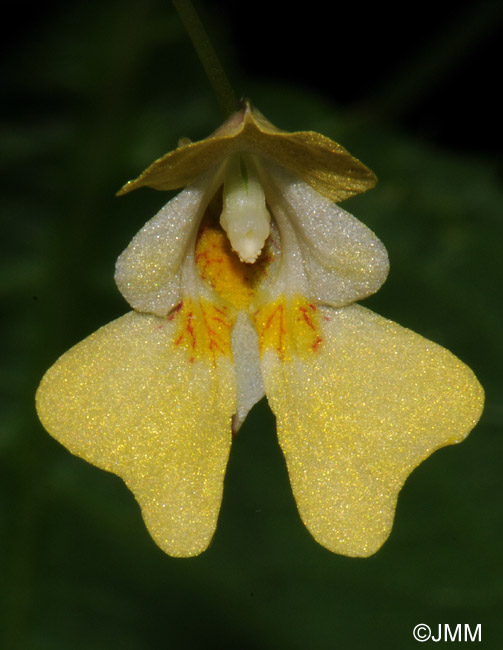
column 319, row 161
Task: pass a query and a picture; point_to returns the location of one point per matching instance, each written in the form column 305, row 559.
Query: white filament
column 244, row 216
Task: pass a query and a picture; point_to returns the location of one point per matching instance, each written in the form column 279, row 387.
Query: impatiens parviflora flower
column 246, row 283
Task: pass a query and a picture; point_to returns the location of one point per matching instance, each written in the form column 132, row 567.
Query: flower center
column 233, row 280
column 244, row 216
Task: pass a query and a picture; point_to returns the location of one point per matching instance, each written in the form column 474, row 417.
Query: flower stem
column 208, row 57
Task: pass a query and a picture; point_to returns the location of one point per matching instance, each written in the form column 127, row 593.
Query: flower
column 246, row 283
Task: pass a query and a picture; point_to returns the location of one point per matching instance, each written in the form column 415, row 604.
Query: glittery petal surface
column 147, row 271
column 356, row 417
column 250, row 388
column 127, row 401
column 342, row 259
column 321, row 162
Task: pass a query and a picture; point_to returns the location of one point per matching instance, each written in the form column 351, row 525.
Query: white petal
column 250, row 388
column 147, row 271
column 343, row 260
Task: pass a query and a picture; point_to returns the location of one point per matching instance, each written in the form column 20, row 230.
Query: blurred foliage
column 91, row 98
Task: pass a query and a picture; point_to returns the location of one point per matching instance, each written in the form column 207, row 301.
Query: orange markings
column 204, row 329
column 175, row 311
column 274, row 329
column 289, row 327
column 305, row 316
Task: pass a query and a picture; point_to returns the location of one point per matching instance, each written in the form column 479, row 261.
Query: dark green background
column 92, row 93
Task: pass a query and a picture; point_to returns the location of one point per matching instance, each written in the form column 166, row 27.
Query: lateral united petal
column 357, row 413
column 128, row 400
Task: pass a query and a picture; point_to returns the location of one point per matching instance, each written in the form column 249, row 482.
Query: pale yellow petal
column 356, row 413
column 138, row 399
